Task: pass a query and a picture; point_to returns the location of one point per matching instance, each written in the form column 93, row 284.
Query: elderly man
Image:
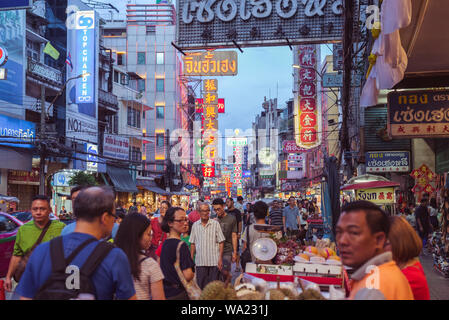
column 361, row 235
column 207, row 242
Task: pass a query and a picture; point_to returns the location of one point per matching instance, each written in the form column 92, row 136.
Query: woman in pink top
column 406, row 245
column 134, row 237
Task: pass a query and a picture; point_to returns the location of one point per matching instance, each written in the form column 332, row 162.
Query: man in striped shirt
column 275, row 216
column 207, row 241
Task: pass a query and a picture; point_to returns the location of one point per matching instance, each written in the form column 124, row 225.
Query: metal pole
column 42, row 144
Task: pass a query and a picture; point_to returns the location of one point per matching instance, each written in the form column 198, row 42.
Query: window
column 160, row 167
column 159, row 85
column 134, row 119
column 7, row 225
column 124, row 79
column 115, row 76
column 159, row 58
column 159, row 140
column 33, row 50
column 141, row 85
column 160, row 112
column 141, row 58
column 120, row 60
column 135, row 154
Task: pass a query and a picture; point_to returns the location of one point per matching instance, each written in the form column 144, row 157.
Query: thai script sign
column 116, row 147
column 210, row 63
column 418, row 114
column 377, row 195
column 289, row 146
column 24, row 177
column 16, row 133
column 222, row 23
column 295, row 157
column 388, row 161
column 307, row 111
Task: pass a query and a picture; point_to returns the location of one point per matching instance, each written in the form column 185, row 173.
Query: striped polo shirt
column 206, row 239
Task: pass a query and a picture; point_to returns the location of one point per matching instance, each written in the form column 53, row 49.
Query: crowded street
column 228, row 150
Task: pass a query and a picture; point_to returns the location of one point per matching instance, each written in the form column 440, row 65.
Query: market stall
column 376, row 189
column 294, row 264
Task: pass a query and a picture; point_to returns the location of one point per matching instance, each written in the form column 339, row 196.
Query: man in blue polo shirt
column 291, row 218
column 95, row 213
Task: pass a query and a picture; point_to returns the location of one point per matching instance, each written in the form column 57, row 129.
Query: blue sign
column 85, row 62
column 387, row 161
column 15, row 4
column 246, row 174
column 92, row 157
column 16, row 133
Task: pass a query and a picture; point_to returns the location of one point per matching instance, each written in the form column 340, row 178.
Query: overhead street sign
column 335, row 80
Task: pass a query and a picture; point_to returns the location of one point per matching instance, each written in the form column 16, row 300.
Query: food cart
column 318, row 265
column 373, row 188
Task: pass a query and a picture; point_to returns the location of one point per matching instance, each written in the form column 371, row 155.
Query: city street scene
column 224, row 150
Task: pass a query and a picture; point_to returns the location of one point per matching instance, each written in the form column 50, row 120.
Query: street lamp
column 42, row 127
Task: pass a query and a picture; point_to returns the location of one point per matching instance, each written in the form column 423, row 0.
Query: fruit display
column 287, row 250
column 217, row 290
column 311, row 294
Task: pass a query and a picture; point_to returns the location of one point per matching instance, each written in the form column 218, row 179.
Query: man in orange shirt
column 361, row 234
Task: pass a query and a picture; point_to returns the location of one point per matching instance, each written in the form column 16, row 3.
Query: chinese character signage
column 387, row 161
column 199, row 105
column 210, row 85
column 210, row 63
column 418, row 114
column 307, row 110
column 210, row 24
column 377, row 195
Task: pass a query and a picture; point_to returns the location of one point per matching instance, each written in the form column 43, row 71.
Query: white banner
column 116, row 147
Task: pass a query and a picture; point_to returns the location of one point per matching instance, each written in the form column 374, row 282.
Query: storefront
column 61, row 190
column 123, row 184
column 23, row 185
column 150, row 194
column 180, row 199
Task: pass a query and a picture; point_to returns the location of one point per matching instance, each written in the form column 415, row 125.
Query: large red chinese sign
column 308, row 113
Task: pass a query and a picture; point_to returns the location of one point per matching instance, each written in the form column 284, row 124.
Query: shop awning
column 370, row 185
column 121, row 179
column 150, row 185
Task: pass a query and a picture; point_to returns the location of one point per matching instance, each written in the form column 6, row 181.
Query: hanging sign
column 418, row 114
column 377, row 195
column 210, row 24
column 388, row 161
column 210, row 63
column 307, row 111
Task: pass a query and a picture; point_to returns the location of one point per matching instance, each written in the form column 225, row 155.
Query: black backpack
column 55, row 287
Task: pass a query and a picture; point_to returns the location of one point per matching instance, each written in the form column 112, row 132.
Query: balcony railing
column 45, row 72
column 108, row 100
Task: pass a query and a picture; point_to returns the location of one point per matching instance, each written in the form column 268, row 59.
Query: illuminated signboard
column 307, row 110
column 216, row 63
column 17, row 133
column 221, row 105
column 82, row 93
column 210, row 111
column 207, row 24
column 210, row 98
column 210, row 85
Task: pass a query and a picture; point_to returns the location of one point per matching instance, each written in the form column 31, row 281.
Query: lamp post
column 43, row 132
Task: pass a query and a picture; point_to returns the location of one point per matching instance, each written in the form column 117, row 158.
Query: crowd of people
column 129, row 255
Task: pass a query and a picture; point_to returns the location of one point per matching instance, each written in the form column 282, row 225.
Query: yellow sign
column 210, row 111
column 210, row 85
column 211, row 98
column 210, row 124
column 210, row 63
column 377, row 195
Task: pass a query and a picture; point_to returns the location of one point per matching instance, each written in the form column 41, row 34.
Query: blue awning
column 121, row 179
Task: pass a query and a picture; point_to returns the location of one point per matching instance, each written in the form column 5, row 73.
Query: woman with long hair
column 175, row 223
column 159, row 236
column 406, row 245
column 134, row 237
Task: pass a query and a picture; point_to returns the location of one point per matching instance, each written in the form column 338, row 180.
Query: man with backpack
column 78, row 265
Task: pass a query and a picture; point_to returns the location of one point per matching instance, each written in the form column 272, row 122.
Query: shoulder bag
column 24, row 259
column 191, row 287
column 246, row 254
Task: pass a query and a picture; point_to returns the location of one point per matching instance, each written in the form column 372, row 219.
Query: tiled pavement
column 438, row 285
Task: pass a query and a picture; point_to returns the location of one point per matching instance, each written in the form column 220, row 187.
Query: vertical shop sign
column 308, row 114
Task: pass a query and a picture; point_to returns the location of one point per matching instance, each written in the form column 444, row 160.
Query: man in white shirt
column 207, row 242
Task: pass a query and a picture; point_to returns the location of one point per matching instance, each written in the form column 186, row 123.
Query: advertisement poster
column 82, row 93
column 12, row 31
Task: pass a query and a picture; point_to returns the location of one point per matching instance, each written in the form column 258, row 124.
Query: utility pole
column 345, row 95
column 42, row 144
